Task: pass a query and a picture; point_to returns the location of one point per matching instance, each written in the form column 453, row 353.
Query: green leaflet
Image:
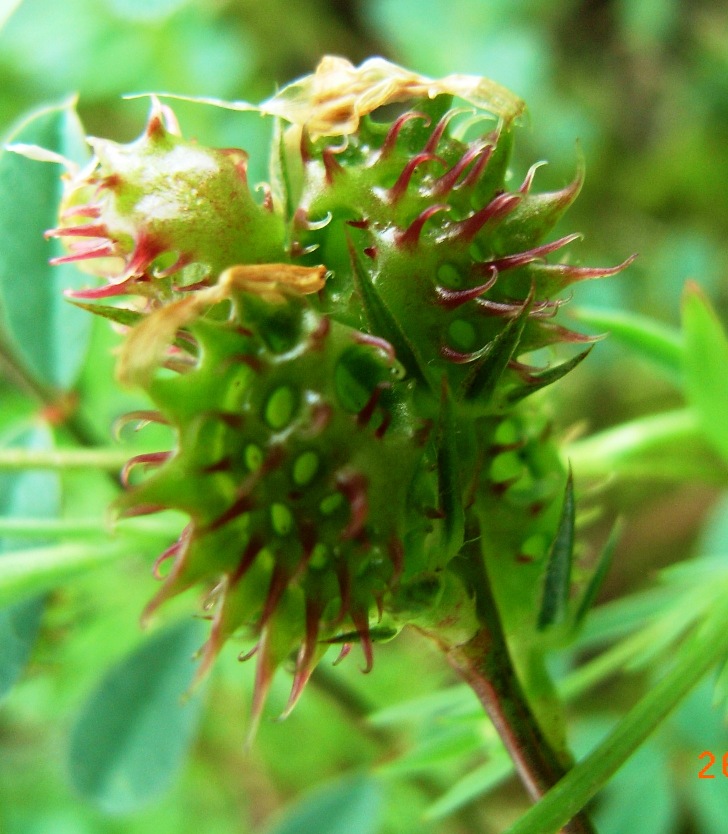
column 134, row 730
column 442, row 743
column 47, row 334
column 472, row 785
column 657, row 343
column 350, row 806
column 39, row 569
column 35, row 494
column 705, row 363
column 481, row 383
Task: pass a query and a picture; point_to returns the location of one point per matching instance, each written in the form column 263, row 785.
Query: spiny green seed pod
column 299, row 460
column 349, row 359
column 163, row 213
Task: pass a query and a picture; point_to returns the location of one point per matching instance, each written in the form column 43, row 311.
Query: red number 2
column 703, row 774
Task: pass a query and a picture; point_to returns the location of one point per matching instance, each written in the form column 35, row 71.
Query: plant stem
column 107, row 459
column 52, row 399
column 485, row 663
column 708, row 646
column 357, row 710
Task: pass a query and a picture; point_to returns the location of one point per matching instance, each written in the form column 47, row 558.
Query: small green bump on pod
column 505, row 467
column 331, row 503
column 281, row 519
column 319, row 556
column 449, row 276
column 525, row 490
column 305, row 468
column 462, row 334
column 476, row 253
column 535, row 546
column 253, row 457
column 279, row 408
column 506, row 433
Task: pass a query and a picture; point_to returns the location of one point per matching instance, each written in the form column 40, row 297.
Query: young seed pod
column 344, row 365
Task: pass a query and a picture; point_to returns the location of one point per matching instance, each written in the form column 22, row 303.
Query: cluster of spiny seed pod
column 340, row 356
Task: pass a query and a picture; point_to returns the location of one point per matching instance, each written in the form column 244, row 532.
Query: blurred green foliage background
column 643, row 86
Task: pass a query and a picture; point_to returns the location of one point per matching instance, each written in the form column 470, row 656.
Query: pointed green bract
column 557, row 581
column 345, row 359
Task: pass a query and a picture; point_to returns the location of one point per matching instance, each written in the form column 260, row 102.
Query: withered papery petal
column 331, row 101
column 148, row 341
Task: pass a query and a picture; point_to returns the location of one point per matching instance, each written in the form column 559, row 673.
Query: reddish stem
column 485, row 663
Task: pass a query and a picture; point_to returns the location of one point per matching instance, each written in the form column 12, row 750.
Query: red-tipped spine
column 411, row 235
column 399, row 189
column 499, row 206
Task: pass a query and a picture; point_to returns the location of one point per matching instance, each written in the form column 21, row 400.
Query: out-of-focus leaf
column 455, row 701
column 18, row 630
column 713, row 540
column 48, row 334
column 442, row 743
column 39, row 569
column 349, row 806
column 557, row 582
column 651, row 340
column 145, row 9
column 134, row 731
column 473, row 785
column 706, row 367
column 7, row 7
column 641, row 796
column 600, row 573
column 35, row 495
column 698, row 725
column 648, row 22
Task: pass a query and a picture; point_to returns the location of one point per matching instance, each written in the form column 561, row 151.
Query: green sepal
column 557, row 579
column 119, row 315
column 600, row 573
column 480, row 385
column 537, row 381
column 449, row 469
column 381, row 321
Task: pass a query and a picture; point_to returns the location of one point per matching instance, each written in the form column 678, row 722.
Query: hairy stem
column 485, row 663
column 57, row 404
